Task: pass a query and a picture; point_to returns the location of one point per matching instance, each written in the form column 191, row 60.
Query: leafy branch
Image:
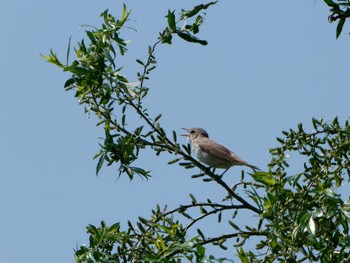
column 300, row 217
column 100, row 85
column 339, row 11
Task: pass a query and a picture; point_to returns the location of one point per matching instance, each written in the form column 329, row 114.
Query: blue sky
column 269, row 65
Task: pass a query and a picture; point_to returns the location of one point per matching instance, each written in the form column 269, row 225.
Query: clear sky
column 269, row 65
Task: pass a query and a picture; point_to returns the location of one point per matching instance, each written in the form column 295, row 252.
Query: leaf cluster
column 301, row 215
column 188, row 31
column 101, row 87
column 304, row 213
column 162, row 237
column 339, row 12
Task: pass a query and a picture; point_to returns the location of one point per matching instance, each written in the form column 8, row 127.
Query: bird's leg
column 224, row 172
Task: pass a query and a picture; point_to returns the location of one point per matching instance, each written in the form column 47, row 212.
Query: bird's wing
column 220, row 151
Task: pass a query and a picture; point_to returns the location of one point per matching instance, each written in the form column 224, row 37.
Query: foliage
column 304, row 213
column 100, row 86
column 339, row 11
column 301, row 216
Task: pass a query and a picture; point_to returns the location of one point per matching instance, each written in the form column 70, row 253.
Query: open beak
column 187, row 135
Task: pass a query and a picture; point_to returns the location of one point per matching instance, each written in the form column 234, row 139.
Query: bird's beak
column 187, row 135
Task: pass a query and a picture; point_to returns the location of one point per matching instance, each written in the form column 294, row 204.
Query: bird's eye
column 192, row 131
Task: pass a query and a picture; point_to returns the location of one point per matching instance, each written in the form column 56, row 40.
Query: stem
column 216, row 208
column 176, row 149
column 227, row 236
column 148, row 62
column 208, row 214
column 213, row 205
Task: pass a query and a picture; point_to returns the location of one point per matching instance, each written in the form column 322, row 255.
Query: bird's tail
column 255, row 168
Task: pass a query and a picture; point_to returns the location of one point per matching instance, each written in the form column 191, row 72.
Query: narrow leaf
column 174, row 136
column 124, row 13
column 171, row 21
column 68, row 50
column 189, row 38
column 340, row 27
column 157, row 118
column 196, row 9
column 140, row 62
column 264, row 178
column 330, row 3
column 100, row 163
column 174, row 161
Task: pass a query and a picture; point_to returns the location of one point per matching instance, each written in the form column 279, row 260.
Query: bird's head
column 195, row 133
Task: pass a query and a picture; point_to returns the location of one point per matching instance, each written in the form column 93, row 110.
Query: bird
column 211, row 153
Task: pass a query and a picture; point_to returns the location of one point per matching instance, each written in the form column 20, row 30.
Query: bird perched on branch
column 212, row 153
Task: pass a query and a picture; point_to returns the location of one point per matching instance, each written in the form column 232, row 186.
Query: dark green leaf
column 166, row 37
column 174, row 161
column 171, row 21
column 157, row 118
column 140, row 62
column 340, row 27
column 219, row 217
column 91, row 37
column 68, row 50
column 189, row 38
column 69, row 84
column 331, row 3
column 196, row 9
column 174, row 136
column 100, row 163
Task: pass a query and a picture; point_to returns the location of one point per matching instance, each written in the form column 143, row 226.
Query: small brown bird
column 212, row 153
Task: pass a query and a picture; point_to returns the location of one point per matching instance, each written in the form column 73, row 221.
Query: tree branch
column 228, row 236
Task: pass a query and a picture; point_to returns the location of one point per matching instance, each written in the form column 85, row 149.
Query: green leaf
column 157, row 118
column 140, row 171
column 331, row 3
column 110, row 58
column 140, row 62
column 219, row 217
column 53, row 59
column 242, row 255
column 171, row 21
column 174, row 136
column 340, row 27
column 68, row 50
column 124, row 13
column 91, row 37
column 167, row 39
column 72, row 66
column 143, row 220
column 196, row 9
column 189, row 38
column 80, row 71
column 100, row 163
column 194, row 201
column 69, row 84
column 264, row 178
column 200, row 251
column 174, row 160
column 296, row 179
